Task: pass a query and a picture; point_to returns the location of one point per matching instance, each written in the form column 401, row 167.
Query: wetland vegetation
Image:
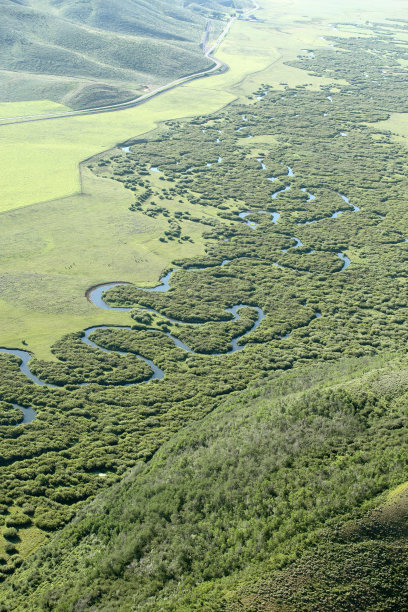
column 276, row 455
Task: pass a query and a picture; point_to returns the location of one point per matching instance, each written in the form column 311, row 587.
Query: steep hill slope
column 98, row 51
column 280, row 476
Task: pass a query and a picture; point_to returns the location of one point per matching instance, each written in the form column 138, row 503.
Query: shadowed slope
column 285, row 471
column 97, row 51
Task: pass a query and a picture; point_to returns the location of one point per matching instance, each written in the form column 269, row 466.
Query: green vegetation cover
column 241, row 444
column 98, row 52
column 272, row 473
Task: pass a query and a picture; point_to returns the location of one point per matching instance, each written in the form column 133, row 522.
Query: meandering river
column 95, row 296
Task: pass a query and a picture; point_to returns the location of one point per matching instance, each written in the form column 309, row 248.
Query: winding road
column 219, row 67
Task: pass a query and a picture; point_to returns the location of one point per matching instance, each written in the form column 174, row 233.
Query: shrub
column 18, row 520
column 10, row 548
column 10, row 533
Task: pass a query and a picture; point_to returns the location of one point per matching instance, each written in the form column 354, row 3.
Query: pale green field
column 31, row 108
column 55, row 242
column 52, row 252
column 42, row 158
column 397, row 124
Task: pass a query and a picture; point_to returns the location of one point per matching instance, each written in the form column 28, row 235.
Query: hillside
column 265, row 502
column 89, row 53
column 229, row 435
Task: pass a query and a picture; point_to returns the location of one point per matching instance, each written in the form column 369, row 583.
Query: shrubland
column 239, row 503
column 306, row 432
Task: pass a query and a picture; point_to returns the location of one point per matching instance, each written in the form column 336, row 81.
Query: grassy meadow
column 66, row 240
column 68, row 245
column 19, row 110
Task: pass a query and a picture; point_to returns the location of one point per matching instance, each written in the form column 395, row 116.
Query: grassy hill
column 89, row 53
column 284, row 498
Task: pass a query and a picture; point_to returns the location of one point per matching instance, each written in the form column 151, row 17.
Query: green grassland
column 397, row 125
column 47, row 265
column 19, row 110
column 42, row 161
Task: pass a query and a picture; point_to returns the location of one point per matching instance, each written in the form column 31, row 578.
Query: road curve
column 219, row 67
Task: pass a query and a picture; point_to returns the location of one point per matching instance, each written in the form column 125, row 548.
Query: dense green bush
column 18, row 520
column 10, row 533
column 302, row 461
column 272, row 473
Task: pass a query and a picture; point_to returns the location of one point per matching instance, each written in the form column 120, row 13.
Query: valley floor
column 227, row 421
